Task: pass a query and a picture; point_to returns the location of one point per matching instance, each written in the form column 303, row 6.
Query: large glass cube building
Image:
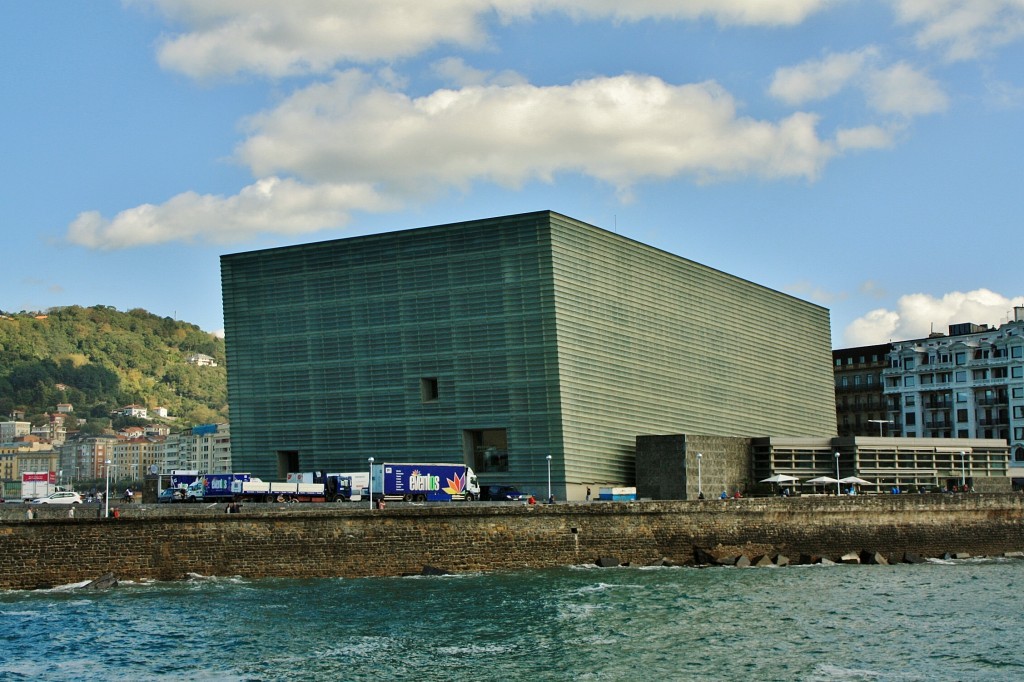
column 502, row 343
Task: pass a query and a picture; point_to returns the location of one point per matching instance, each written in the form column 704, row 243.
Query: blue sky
column 865, row 156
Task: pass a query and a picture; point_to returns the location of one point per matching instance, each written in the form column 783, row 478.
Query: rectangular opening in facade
column 486, row 449
column 287, row 462
column 428, row 389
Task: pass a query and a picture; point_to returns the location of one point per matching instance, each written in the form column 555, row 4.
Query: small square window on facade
column 428, row 389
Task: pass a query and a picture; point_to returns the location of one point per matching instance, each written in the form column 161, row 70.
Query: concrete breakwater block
column 850, row 558
column 607, row 562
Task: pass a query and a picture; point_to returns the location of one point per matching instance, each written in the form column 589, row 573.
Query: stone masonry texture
column 321, row 540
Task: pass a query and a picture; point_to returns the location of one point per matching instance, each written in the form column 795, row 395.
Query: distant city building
column 83, row 457
column 201, row 360
column 138, row 411
column 12, row 430
column 522, row 346
column 860, row 402
column 64, row 408
column 968, row 383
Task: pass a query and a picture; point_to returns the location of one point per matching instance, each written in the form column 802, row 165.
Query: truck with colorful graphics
column 213, row 487
column 431, row 482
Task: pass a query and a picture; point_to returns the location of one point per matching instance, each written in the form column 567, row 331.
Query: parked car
column 502, row 493
column 172, row 495
column 59, row 497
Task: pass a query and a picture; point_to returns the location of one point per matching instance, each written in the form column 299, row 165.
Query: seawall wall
column 169, row 542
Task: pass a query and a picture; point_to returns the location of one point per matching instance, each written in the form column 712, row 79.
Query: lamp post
column 549, row 477
column 880, row 422
column 963, row 471
column 700, row 486
column 106, row 494
column 837, row 473
column 370, row 460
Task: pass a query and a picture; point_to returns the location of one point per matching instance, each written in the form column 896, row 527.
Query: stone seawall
column 167, row 543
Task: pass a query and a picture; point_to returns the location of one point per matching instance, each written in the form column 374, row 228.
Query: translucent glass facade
column 499, row 342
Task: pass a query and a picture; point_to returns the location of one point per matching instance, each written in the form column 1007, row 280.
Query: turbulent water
column 955, row 620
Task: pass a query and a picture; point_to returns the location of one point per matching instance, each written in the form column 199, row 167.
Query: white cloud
column 225, row 37
column 865, row 137
column 963, row 29
column 353, row 144
column 897, row 89
column 621, row 130
column 902, row 89
column 819, row 79
column 271, row 205
column 917, row 315
column 456, row 73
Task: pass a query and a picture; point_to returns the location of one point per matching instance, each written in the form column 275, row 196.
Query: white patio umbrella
column 854, row 480
column 780, row 478
column 821, row 480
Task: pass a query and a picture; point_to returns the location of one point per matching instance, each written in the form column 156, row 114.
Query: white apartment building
column 206, row 448
column 9, row 430
column 967, row 384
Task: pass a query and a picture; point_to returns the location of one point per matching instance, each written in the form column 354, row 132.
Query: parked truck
column 347, row 487
column 36, row 484
column 213, row 487
column 425, row 482
column 296, row 489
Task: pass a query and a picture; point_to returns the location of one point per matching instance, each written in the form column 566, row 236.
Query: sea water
column 944, row 620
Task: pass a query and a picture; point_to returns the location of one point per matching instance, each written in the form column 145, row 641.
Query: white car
column 62, row 497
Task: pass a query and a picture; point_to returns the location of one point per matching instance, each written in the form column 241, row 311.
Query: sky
column 862, row 155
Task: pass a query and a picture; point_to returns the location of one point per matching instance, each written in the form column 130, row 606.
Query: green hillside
column 99, row 359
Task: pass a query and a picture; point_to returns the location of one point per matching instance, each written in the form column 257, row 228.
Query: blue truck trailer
column 425, row 482
column 213, row 487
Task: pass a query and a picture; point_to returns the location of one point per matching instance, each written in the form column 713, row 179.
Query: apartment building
column 968, row 383
column 861, row 409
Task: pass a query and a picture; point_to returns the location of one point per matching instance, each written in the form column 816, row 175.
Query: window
column 980, row 374
column 961, row 376
column 908, row 363
column 999, row 373
column 911, row 418
column 856, row 380
column 1018, row 392
column 428, row 389
column 487, row 449
column 1018, row 453
column 870, row 379
column 961, row 358
column 961, row 415
column 1018, row 412
column 1017, row 352
column 910, row 401
column 909, row 381
column 962, row 396
column 844, row 382
column 1017, row 372
column 927, row 378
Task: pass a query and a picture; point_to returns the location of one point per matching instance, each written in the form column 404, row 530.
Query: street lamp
column 370, row 460
column 700, row 487
column 963, row 471
column 106, row 495
column 837, row 473
column 549, row 477
column 880, row 422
